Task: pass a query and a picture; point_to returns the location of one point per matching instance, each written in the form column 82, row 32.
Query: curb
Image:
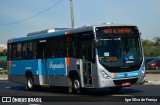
column 3, row 78
column 152, row 83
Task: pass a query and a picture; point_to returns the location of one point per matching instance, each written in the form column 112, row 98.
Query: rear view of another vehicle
column 154, row 65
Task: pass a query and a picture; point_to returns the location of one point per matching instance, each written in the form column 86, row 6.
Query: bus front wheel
column 29, row 82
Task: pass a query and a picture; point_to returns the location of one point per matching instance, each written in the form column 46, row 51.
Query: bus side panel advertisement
column 56, row 66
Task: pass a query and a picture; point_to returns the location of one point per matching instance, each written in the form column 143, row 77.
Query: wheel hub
column 76, row 84
column 29, row 83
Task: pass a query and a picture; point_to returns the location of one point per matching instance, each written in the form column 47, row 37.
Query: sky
column 143, row 13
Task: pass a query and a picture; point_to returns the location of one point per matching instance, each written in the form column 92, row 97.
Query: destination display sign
column 117, row 30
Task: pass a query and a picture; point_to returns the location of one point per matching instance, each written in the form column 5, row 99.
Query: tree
column 151, row 48
column 3, row 52
column 157, row 41
column 147, row 43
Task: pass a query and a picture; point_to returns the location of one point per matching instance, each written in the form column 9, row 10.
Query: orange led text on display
column 117, row 30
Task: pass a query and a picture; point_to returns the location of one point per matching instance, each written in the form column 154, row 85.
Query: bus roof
column 61, row 32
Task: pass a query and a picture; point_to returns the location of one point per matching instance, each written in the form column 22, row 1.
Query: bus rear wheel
column 29, row 82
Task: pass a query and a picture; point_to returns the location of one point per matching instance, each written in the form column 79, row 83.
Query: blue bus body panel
column 55, row 66
column 19, row 67
column 128, row 74
column 41, row 67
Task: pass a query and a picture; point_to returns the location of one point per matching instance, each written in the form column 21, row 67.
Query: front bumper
column 102, row 83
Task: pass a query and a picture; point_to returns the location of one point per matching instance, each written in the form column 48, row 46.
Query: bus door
column 42, row 56
column 86, row 53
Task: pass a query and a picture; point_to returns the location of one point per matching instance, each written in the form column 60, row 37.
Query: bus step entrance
column 87, row 73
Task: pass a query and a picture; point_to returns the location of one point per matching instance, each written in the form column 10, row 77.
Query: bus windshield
column 119, row 51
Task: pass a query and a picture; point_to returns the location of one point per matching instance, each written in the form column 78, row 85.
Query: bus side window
column 54, row 47
column 85, row 47
column 14, row 55
column 12, row 52
column 71, row 50
column 63, row 49
column 29, row 50
column 16, row 48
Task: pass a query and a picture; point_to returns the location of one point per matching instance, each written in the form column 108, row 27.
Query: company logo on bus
column 56, row 66
column 125, row 75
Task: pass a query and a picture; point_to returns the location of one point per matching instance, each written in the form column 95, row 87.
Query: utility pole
column 72, row 15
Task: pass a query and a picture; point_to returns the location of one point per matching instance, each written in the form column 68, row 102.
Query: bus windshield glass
column 119, row 50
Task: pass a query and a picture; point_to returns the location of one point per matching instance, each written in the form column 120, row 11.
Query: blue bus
column 101, row 56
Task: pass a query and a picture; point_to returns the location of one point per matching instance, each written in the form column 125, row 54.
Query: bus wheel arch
column 74, row 82
column 28, row 73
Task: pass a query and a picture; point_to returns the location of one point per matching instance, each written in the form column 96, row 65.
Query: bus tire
column 74, row 86
column 29, row 82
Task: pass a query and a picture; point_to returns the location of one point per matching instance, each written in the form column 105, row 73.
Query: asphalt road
column 56, row 95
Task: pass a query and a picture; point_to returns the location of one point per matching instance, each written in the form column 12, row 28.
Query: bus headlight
column 104, row 74
column 143, row 71
column 142, row 79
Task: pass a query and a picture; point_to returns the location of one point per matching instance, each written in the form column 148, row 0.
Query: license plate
column 126, row 84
